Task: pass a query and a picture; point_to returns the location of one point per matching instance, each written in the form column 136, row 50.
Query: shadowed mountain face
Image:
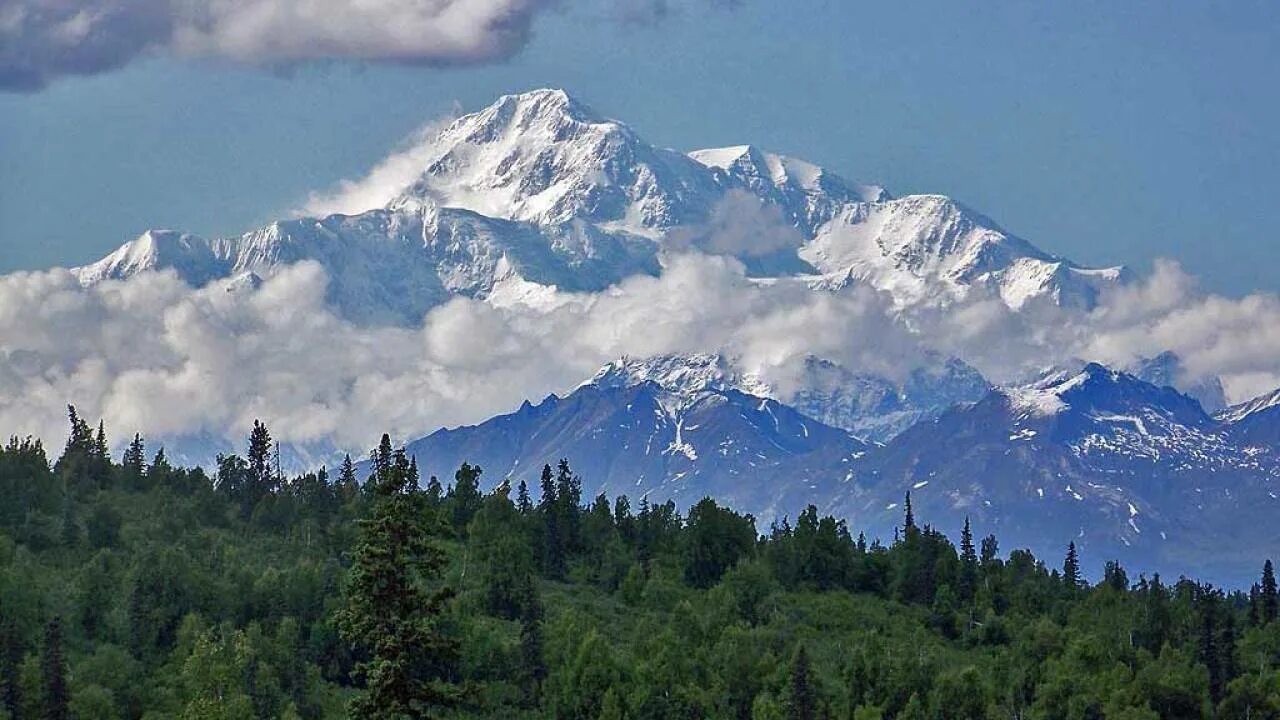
column 645, row 441
column 1126, row 469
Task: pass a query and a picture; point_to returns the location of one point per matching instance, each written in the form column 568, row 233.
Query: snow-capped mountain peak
column 547, row 158
column 683, row 374
column 1262, row 403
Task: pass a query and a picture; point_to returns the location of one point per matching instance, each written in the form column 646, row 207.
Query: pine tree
column 464, row 497
column 968, row 563
column 553, row 560
column 53, row 669
column 434, row 492
column 1267, row 594
column 1255, row 599
column 801, row 703
column 1071, row 568
column 11, row 653
column 348, row 485
column 909, row 523
column 1208, row 645
column 569, row 506
column 523, row 503
column 160, row 471
column 262, row 473
column 532, row 658
column 389, row 613
column 134, row 464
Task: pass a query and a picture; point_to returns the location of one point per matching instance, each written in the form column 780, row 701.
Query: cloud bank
column 41, row 40
column 153, row 355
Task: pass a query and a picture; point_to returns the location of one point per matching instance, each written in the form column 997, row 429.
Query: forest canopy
column 131, row 588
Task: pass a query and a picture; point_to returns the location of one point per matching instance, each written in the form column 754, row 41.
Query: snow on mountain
column 394, row 266
column 1127, row 469
column 1255, row 424
column 878, row 408
column 539, row 188
column 929, row 249
column 546, row 158
column 692, row 437
column 1256, row 406
column 872, row 407
column 808, row 195
column 1166, row 370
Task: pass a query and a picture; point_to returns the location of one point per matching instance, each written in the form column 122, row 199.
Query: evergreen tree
column 553, row 551
column 533, row 663
column 909, row 522
column 133, row 465
column 262, row 479
column 569, row 507
column 990, row 551
column 1071, row 567
column 1114, row 576
column 968, row 579
column 523, row 503
column 1207, row 649
column 1267, row 594
column 464, row 497
column 348, row 484
column 801, row 701
column 11, row 653
column 160, row 471
column 390, row 613
column 53, row 670
column 434, row 492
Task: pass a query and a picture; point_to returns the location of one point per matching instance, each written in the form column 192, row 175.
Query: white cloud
column 41, row 40
column 152, row 355
column 384, row 182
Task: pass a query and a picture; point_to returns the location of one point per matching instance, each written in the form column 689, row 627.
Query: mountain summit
column 540, row 189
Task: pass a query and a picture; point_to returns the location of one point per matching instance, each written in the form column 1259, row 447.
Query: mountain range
column 537, row 196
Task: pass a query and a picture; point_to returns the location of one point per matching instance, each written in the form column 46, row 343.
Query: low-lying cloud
column 153, row 355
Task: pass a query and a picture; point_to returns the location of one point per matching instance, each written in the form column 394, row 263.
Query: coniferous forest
column 131, row 588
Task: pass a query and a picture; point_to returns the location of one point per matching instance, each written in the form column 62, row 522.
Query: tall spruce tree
column 968, row 580
column 1267, row 597
column 1071, row 567
column 56, row 702
column 801, row 699
column 11, row 653
column 464, row 497
column 133, row 465
column 553, row 550
column 909, row 521
column 348, row 484
column 393, row 607
column 532, row 660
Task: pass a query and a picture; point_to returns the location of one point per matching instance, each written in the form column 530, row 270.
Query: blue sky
column 1106, row 132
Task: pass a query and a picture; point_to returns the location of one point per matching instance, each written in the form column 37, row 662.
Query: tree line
column 132, row 588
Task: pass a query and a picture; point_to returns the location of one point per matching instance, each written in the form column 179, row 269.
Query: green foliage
column 138, row 590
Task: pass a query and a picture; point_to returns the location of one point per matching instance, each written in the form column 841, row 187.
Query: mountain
column 1127, row 469
column 878, row 408
column 684, row 439
column 870, row 406
column 1167, row 370
column 540, row 189
column 393, row 266
column 1256, row 423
